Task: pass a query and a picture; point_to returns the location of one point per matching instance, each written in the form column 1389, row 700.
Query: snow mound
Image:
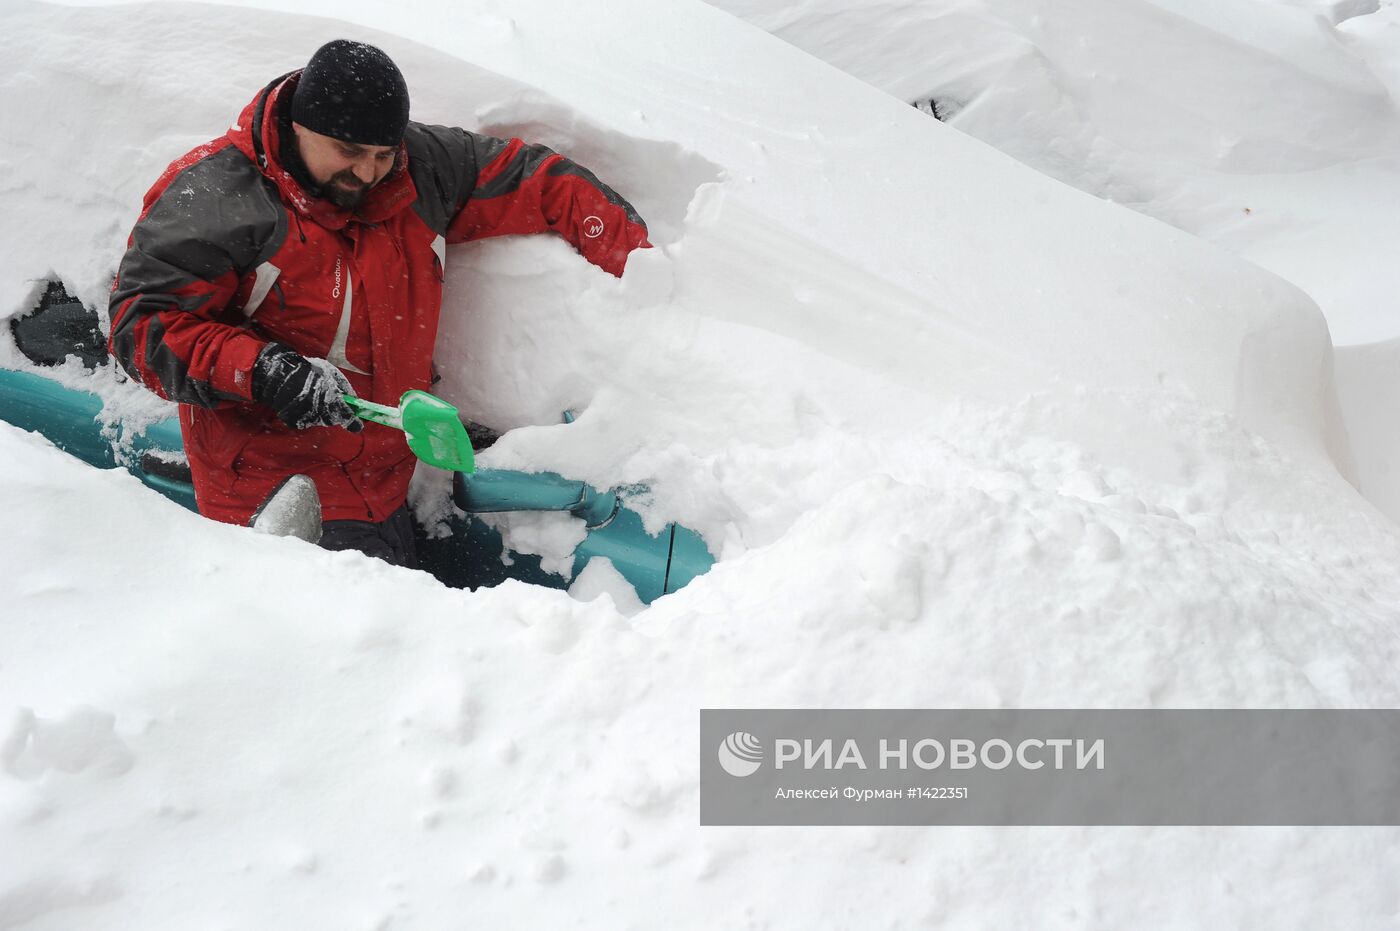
column 1267, row 126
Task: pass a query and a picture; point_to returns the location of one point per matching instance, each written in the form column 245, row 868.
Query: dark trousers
column 390, row 540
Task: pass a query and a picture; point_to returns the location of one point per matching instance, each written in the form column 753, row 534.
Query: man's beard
column 336, row 191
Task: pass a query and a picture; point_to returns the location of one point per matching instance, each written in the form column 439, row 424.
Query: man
column 299, row 258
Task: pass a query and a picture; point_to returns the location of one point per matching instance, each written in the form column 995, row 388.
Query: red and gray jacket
column 232, row 252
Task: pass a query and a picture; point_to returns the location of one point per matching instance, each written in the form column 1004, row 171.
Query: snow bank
column 961, row 436
column 1169, row 106
column 1267, row 126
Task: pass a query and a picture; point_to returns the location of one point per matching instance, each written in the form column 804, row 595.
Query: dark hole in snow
column 167, row 465
column 940, row 108
column 59, row 327
column 481, row 435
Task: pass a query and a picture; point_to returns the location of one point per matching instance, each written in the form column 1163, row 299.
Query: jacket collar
column 259, row 135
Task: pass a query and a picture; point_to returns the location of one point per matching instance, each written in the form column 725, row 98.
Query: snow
column 960, row 434
column 1266, row 126
column 600, row 579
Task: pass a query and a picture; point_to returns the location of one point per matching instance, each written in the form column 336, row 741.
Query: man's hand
column 303, row 392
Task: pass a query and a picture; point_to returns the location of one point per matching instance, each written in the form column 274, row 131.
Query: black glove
column 302, row 392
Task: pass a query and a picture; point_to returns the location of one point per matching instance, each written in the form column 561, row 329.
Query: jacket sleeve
column 501, row 187
column 170, row 304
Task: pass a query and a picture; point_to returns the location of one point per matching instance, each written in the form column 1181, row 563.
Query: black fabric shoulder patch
column 444, row 162
column 218, row 214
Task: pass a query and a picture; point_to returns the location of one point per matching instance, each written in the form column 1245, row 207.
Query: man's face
column 344, row 171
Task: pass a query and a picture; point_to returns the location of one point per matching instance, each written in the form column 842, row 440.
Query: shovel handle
column 375, row 413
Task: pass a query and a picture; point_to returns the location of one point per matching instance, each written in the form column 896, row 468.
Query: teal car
column 471, row 555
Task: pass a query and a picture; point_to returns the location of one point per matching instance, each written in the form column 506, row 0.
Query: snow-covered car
column 471, row 554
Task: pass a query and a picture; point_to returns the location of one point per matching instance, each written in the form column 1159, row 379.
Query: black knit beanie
column 353, row 92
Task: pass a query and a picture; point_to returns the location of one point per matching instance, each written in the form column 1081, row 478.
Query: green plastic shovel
column 434, row 431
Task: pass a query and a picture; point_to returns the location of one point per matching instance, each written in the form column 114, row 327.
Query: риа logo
column 741, row 754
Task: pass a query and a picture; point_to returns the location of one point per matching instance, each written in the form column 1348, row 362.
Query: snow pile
column 1267, row 126
column 960, row 435
column 1256, row 123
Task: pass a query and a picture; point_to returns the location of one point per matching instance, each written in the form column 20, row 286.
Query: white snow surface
column 960, row 435
column 1267, row 126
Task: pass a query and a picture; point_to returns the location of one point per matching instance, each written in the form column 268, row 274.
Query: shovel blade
column 435, row 432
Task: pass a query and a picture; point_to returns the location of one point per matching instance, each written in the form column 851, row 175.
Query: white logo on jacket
column 336, row 356
column 592, row 227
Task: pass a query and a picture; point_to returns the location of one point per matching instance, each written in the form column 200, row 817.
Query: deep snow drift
column 959, row 434
column 1267, row 126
